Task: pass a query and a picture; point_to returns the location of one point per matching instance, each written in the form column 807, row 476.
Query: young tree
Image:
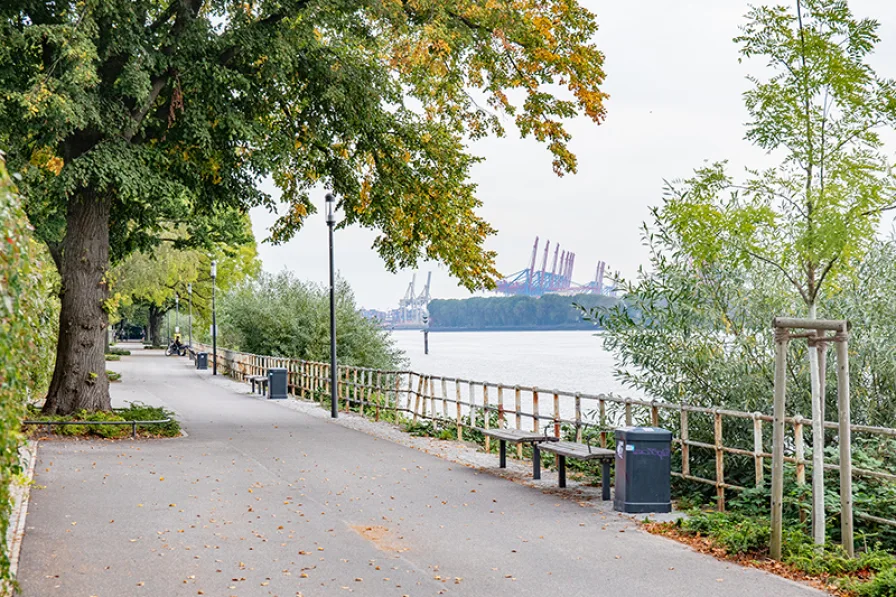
column 155, row 279
column 811, row 217
column 126, row 114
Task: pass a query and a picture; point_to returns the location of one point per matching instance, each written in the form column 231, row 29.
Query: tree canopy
column 127, row 117
column 176, row 109
column 820, row 110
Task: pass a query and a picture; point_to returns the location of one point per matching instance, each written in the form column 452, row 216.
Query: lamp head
column 331, row 208
column 214, row 269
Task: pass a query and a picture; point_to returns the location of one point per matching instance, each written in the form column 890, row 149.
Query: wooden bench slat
column 578, row 451
column 516, row 436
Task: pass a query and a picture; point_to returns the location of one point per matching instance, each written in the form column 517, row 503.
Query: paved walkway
column 262, row 500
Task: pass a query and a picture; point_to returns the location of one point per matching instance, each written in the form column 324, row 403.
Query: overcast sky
column 675, row 87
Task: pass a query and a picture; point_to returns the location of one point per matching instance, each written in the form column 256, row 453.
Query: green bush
column 882, row 585
column 122, row 352
column 137, row 411
column 28, row 320
column 134, row 412
column 113, row 357
column 106, row 431
column 736, row 533
column 72, row 430
column 740, row 534
column 280, row 315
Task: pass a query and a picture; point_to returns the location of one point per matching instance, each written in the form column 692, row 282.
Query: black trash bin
column 277, row 389
column 202, row 360
column 643, row 470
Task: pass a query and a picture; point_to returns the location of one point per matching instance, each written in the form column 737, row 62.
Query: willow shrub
column 27, row 337
column 280, row 315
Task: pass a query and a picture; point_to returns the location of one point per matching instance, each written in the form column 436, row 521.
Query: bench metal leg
column 536, row 462
column 503, row 453
column 562, row 470
column 605, row 480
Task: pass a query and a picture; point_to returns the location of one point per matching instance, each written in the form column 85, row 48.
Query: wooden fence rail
column 471, row 404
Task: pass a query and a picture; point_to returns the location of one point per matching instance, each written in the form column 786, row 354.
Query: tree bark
column 155, row 326
column 79, row 378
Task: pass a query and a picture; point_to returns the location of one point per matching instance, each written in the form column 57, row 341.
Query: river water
column 569, row 360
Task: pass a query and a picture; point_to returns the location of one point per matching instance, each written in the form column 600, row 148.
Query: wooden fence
column 464, row 403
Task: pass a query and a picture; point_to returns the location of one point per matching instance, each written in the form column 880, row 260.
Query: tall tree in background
column 126, row 115
column 811, row 218
column 154, row 279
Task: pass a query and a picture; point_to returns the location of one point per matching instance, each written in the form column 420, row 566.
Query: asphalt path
column 261, row 500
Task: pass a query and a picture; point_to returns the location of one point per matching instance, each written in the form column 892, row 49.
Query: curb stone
column 20, row 492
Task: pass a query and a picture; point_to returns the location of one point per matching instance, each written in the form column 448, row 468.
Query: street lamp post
column 176, row 315
column 331, row 221
column 214, row 321
column 190, row 292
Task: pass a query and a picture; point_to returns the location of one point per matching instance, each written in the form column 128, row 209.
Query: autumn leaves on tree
column 127, row 117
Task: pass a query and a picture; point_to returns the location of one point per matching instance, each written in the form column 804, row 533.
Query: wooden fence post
column 471, row 393
column 378, row 395
column 417, row 397
column 519, row 418
column 578, row 399
column 782, row 338
column 758, row 462
column 720, row 461
column 501, row 424
column 396, row 393
column 485, row 415
column 444, row 398
column 845, row 440
column 556, row 424
column 460, row 426
column 685, row 447
column 799, row 449
column 536, row 416
column 628, row 412
column 602, row 409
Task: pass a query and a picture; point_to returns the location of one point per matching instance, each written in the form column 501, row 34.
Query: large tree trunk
column 155, row 325
column 79, row 379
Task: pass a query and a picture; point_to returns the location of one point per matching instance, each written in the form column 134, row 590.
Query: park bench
column 516, row 436
column 261, row 380
column 565, row 450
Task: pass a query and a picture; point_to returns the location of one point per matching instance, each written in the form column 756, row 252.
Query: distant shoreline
column 593, row 328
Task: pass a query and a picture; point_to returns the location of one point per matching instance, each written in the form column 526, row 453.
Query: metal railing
column 467, row 404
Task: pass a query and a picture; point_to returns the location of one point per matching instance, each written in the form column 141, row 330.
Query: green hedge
column 27, row 337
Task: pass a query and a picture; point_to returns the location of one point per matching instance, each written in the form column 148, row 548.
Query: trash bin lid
column 643, row 433
column 276, row 369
